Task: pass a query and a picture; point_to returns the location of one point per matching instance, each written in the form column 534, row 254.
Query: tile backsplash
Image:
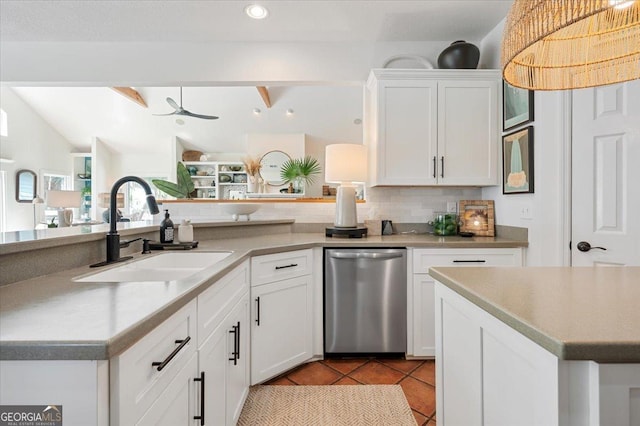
column 411, row 205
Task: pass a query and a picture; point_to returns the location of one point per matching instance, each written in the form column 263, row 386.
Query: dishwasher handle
column 348, row 255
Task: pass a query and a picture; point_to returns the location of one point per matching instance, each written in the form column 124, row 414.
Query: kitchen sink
column 163, row 267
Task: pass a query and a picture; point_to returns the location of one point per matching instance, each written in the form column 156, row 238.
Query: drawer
column 135, row 382
column 423, row 259
column 280, row 266
column 218, row 300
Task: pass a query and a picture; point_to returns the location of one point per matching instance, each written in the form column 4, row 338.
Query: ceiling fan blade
column 173, row 104
column 190, row 114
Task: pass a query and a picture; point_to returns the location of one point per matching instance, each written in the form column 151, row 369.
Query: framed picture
column 477, row 216
column 517, row 106
column 517, row 162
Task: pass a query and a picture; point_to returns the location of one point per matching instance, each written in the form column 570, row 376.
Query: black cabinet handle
column 470, row 261
column 235, row 345
column 258, row 310
column 201, row 416
column 293, row 265
column 434, row 166
column 168, row 359
column 442, row 168
column 238, row 340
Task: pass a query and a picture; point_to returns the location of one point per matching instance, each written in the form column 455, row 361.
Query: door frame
column 566, row 211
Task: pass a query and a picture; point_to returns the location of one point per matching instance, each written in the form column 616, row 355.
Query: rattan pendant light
column 570, row 44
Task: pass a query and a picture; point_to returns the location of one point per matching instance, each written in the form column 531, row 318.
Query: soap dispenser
column 185, row 231
column 166, row 229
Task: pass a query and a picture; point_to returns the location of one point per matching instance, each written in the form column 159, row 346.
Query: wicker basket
column 191, row 155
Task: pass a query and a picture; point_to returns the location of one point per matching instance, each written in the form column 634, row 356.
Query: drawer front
column 217, row 301
column 423, row 259
column 135, row 382
column 280, row 266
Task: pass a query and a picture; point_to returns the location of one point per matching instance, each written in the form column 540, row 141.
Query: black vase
column 460, row 55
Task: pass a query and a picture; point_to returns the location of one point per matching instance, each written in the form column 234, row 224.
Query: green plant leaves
column 182, row 189
column 305, row 168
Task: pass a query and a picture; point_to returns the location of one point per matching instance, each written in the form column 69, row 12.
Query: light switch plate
column 526, row 211
column 452, row 207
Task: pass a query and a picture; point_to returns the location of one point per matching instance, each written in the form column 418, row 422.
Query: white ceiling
column 82, row 113
column 206, row 21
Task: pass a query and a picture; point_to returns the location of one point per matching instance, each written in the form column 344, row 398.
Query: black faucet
column 113, row 238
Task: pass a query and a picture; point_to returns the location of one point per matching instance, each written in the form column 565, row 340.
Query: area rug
column 327, row 405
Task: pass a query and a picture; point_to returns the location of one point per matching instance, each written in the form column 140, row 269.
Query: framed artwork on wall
column 517, row 106
column 478, row 217
column 517, row 162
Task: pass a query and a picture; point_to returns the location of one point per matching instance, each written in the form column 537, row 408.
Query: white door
column 606, row 175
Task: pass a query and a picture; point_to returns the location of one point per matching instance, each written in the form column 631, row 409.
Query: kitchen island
column 538, row 346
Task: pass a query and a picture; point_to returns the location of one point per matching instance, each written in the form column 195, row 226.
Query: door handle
column 585, row 246
column 258, row 310
column 201, row 416
column 434, row 166
column 234, row 331
column 343, row 255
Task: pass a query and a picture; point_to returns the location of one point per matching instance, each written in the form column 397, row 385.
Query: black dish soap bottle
column 166, row 229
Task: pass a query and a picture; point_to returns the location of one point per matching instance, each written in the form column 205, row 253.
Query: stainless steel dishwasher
column 365, row 301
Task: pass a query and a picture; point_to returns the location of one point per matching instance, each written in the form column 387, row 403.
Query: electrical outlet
column 452, row 207
column 526, row 211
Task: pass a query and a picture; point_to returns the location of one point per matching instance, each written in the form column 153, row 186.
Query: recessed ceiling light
column 180, row 121
column 256, row 111
column 256, row 11
column 289, row 112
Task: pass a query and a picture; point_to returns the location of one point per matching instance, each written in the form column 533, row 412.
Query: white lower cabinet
column 224, row 362
column 422, row 338
column 176, row 405
column 282, row 317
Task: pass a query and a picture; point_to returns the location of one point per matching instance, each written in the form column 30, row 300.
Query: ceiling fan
column 181, row 111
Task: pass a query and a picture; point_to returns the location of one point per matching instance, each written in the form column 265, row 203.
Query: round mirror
column 271, row 164
column 26, row 186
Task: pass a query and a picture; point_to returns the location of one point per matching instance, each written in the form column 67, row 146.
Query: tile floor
column 417, row 379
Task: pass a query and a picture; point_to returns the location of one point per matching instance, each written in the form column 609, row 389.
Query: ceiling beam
column 132, row 95
column 264, row 92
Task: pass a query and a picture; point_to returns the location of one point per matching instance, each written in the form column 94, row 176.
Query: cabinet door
column 238, row 372
column 213, row 359
column 468, row 132
column 406, row 132
column 281, row 327
column 176, row 404
column 424, row 331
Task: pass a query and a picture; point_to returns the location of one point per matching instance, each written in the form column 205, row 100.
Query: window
column 136, row 200
column 4, row 126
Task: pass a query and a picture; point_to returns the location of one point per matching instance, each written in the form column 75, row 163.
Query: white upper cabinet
column 433, row 127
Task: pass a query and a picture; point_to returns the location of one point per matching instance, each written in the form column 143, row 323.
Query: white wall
column 32, row 144
column 545, row 227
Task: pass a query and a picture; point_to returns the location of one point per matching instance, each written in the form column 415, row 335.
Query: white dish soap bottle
column 185, row 231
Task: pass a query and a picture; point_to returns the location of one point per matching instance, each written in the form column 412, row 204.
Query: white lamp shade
column 345, row 162
column 104, row 200
column 64, row 199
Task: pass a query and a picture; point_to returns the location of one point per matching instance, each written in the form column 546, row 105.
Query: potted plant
column 252, row 166
column 183, row 189
column 299, row 171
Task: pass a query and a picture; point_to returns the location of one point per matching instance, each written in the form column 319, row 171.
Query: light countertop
column 580, row 313
column 54, row 317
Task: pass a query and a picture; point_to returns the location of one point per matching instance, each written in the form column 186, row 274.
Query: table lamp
column 346, row 164
column 104, row 199
column 64, row 201
column 36, row 200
